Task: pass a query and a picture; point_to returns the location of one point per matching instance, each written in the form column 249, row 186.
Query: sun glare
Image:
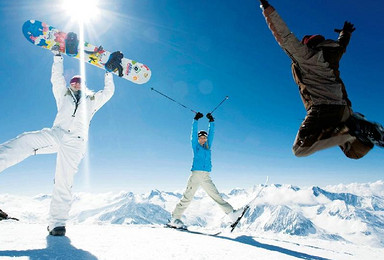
column 81, row 10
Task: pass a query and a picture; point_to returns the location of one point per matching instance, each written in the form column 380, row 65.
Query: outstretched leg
column 25, row 145
column 212, row 191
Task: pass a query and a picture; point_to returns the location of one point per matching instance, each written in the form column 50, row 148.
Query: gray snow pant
column 197, row 179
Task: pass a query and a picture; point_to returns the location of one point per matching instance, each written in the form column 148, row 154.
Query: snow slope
column 285, row 222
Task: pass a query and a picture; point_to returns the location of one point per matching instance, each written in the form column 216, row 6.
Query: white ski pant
column 197, row 179
column 70, row 150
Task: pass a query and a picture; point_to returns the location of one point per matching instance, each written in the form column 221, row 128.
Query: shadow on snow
column 57, row 248
column 250, row 241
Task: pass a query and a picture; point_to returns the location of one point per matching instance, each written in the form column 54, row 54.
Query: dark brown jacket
column 315, row 70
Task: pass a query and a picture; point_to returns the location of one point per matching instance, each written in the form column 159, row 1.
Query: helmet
column 202, row 133
column 75, row 79
column 312, row 40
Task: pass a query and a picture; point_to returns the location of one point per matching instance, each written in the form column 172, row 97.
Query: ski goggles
column 202, row 133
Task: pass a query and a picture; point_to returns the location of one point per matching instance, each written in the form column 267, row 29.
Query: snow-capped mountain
column 330, row 213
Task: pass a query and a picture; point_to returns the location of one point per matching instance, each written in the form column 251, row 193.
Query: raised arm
column 345, row 34
column 102, row 96
column 194, row 141
column 57, row 77
column 284, row 37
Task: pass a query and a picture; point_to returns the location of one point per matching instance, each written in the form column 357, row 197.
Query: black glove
column 114, row 62
column 264, row 3
column 56, row 50
column 210, row 117
column 348, row 27
column 198, row 116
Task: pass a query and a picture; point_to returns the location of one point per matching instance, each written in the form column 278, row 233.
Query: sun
column 81, row 10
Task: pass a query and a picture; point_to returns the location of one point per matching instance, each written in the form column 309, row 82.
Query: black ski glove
column 198, row 116
column 348, row 27
column 210, row 117
column 264, row 3
column 114, row 62
column 3, row 215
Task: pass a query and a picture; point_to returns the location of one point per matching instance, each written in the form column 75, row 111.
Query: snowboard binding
column 114, row 63
column 71, row 44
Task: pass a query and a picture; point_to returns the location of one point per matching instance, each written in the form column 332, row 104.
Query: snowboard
column 50, row 38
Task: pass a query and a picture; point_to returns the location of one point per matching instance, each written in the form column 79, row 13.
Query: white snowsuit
column 67, row 138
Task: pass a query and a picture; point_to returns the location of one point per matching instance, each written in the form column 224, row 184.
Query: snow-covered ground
column 286, row 222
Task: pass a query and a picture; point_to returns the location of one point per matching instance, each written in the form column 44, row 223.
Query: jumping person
column 76, row 105
column 201, row 168
column 330, row 120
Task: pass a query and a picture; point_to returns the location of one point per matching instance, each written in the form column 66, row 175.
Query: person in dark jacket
column 330, row 120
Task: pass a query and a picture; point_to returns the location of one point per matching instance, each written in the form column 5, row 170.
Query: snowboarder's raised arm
column 102, row 96
column 57, row 77
column 194, row 141
column 345, row 34
column 284, row 37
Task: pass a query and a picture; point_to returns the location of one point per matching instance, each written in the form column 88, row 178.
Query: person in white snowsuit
column 76, row 105
column 201, row 167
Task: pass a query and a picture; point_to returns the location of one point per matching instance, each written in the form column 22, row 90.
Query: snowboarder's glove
column 264, row 4
column 348, row 27
column 210, row 117
column 3, row 215
column 198, row 116
column 56, row 50
column 114, row 63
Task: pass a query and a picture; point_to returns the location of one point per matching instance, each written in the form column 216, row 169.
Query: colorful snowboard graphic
column 50, row 38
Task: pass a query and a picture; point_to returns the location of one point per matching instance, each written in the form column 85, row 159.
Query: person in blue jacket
column 200, row 176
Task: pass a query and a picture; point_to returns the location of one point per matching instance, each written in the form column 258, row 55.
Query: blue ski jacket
column 202, row 154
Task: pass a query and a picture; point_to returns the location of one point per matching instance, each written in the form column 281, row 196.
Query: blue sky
column 199, row 52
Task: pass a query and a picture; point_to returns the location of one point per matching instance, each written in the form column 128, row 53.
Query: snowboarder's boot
column 57, row 231
column 71, row 44
column 114, row 63
column 366, row 131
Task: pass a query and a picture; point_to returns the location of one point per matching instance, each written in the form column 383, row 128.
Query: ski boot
column 176, row 223
column 365, row 130
column 235, row 214
column 57, row 231
column 71, row 44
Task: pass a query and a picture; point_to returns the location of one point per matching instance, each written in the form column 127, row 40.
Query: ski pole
column 220, row 104
column 174, row 100
column 249, row 204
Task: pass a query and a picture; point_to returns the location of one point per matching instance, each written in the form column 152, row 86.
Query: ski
column 193, row 231
column 246, row 208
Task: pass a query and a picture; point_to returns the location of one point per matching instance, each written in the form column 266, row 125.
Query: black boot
column 366, row 131
column 57, row 231
column 71, row 44
column 114, row 63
